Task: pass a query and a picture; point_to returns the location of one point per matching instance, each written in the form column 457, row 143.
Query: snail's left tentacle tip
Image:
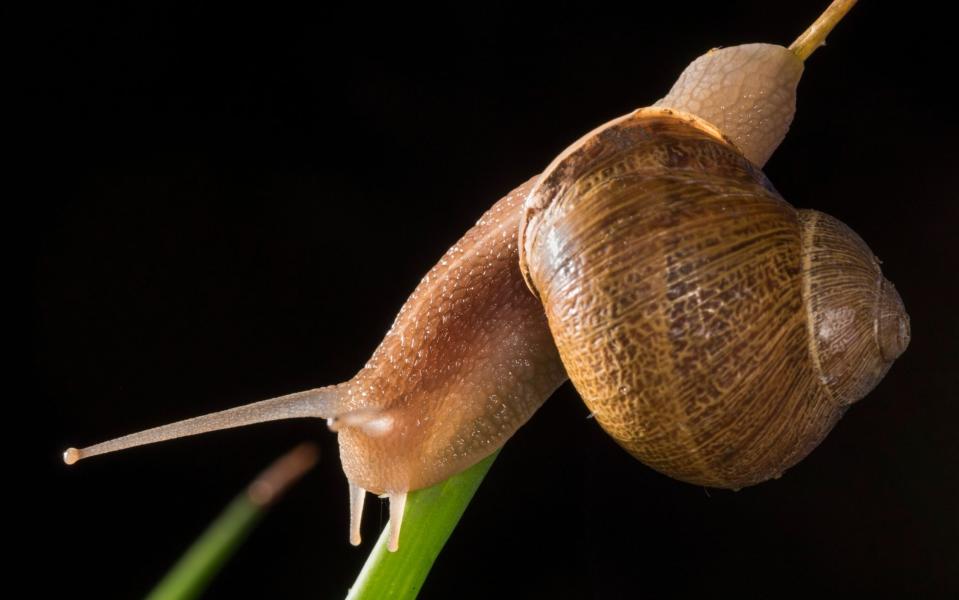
column 71, row 455
column 357, row 498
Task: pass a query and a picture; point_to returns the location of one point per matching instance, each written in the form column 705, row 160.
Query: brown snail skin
column 472, row 354
column 467, row 361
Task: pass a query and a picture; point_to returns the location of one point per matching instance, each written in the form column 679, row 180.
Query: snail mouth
column 892, row 323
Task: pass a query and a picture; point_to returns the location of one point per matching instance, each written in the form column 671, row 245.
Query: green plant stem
column 430, row 517
column 190, row 576
column 193, row 572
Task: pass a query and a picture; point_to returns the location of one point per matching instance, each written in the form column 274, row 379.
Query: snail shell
column 716, row 332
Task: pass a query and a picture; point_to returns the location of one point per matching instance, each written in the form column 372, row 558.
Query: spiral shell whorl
column 857, row 322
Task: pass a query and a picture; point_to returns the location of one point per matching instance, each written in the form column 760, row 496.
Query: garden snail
column 468, row 360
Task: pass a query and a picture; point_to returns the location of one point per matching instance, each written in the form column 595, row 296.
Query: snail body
column 467, row 361
column 716, row 332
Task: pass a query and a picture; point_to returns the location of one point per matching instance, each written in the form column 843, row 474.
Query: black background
column 231, row 202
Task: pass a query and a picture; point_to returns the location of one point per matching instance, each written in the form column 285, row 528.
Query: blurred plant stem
column 190, row 576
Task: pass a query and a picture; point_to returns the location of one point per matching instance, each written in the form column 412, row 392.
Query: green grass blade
column 431, row 515
column 193, row 572
column 191, row 575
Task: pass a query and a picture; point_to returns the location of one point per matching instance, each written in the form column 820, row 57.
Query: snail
column 701, row 271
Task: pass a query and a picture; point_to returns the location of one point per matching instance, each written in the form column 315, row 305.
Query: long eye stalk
column 318, row 403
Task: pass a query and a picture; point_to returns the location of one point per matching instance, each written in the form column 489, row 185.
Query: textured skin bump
column 858, row 324
column 670, row 271
column 467, row 361
column 747, row 91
